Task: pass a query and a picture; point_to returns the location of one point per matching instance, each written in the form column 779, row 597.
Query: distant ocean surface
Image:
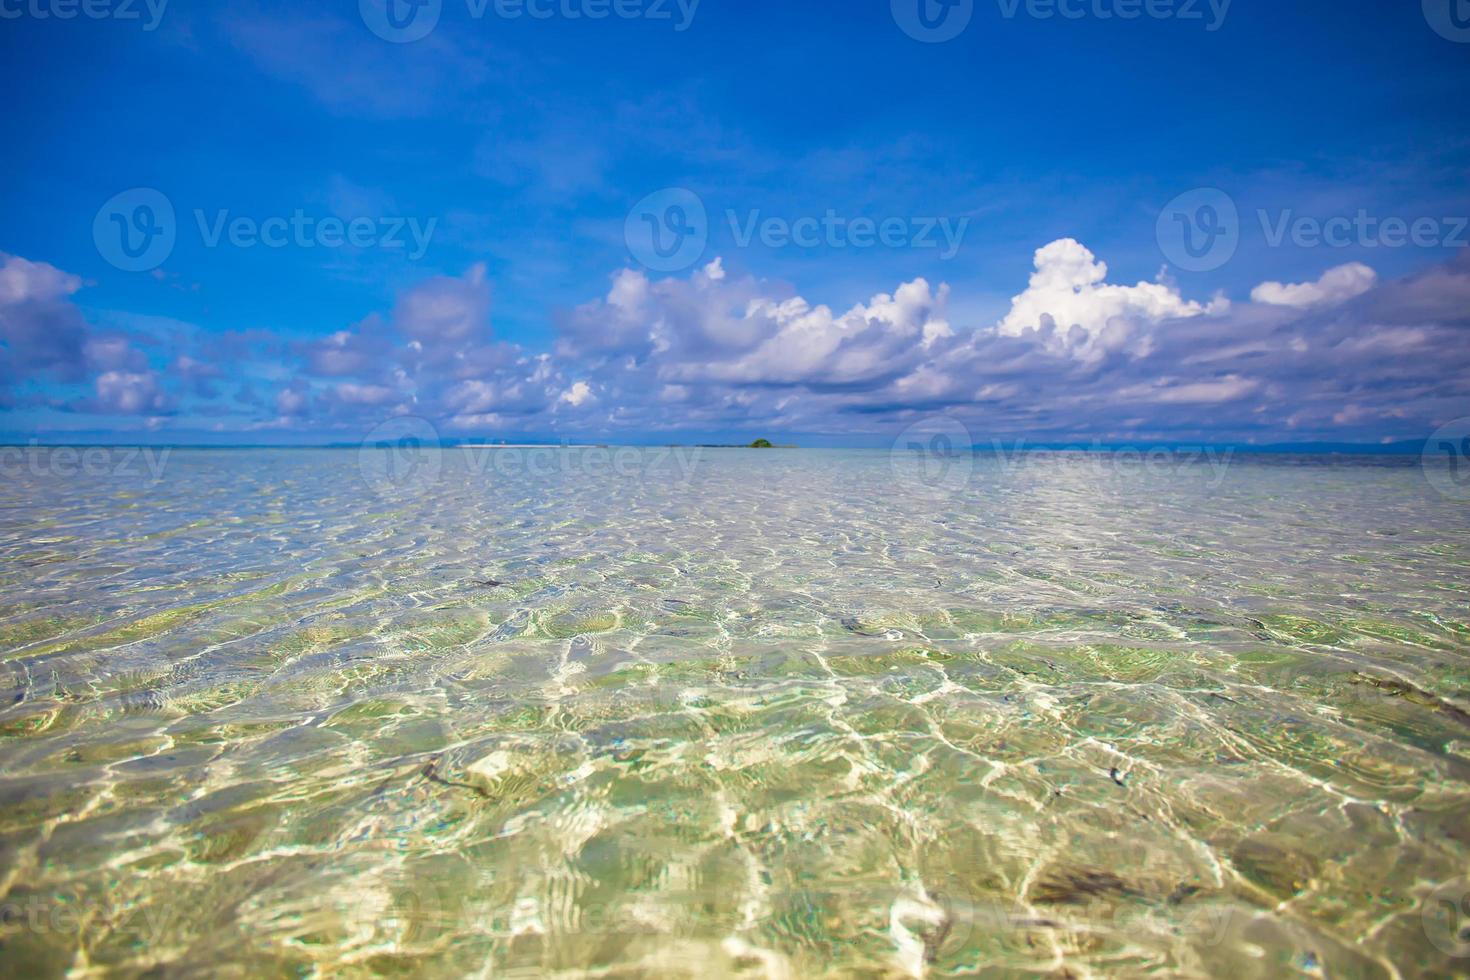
column 688, row 712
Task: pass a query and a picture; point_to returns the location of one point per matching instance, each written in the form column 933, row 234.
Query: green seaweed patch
column 878, row 624
column 1035, row 663
column 975, row 621
column 1050, row 620
column 910, row 684
column 1458, row 627
column 698, row 670
column 1123, row 663
column 309, row 640
column 162, row 623
column 1302, row 630
column 30, row 719
column 882, row 717
column 27, row 803
column 443, row 630
column 1282, row 871
column 907, row 658
column 22, row 634
column 104, row 753
column 213, row 697
column 228, row 837
column 565, row 625
column 373, row 710
column 1267, row 589
column 1394, row 633
column 232, row 733
column 42, row 557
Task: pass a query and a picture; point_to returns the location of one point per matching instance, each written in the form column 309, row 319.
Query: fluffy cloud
column 349, row 353
column 27, row 282
column 445, row 310
column 579, row 394
column 713, row 330
column 1345, row 357
column 1166, row 391
column 41, row 332
column 128, row 393
column 355, row 394
column 1070, row 304
column 433, row 354
column 1335, row 286
column 1074, row 355
column 293, row 401
column 44, row 339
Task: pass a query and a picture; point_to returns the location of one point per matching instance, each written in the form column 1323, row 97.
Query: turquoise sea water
column 714, row 712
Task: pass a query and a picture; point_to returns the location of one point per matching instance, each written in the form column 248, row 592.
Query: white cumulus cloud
column 1336, row 286
column 577, row 395
column 1070, row 300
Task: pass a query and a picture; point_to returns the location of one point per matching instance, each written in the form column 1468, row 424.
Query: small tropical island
column 758, row 444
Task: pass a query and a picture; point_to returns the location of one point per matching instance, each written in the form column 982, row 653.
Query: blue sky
column 515, row 147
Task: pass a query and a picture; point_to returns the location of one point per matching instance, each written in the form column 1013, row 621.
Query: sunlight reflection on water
column 728, row 712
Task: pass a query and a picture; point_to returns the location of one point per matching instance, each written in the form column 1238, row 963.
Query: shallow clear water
column 732, row 713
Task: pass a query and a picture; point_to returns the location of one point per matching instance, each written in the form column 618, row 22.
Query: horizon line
column 1312, row 448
